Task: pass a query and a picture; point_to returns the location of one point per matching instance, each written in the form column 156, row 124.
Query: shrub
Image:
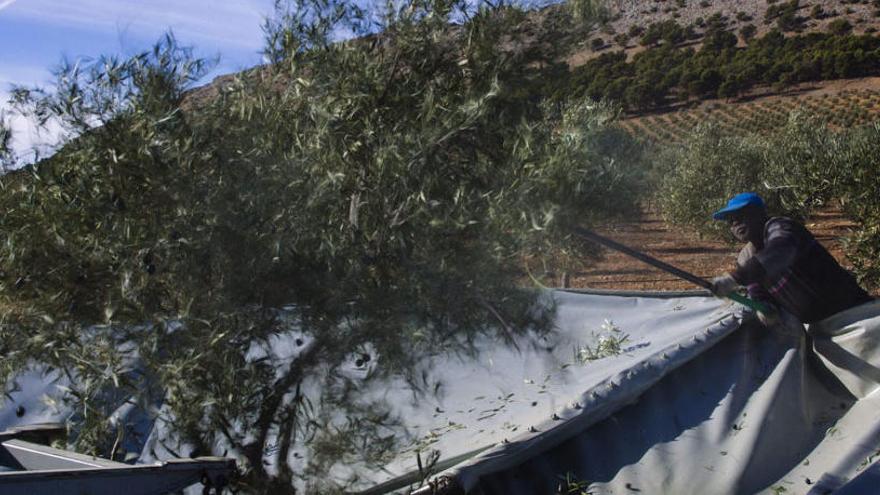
column 785, row 15
column 789, row 21
column 796, row 168
column 793, row 169
column 856, row 191
column 748, row 32
column 696, row 177
column 839, row 27
column 717, row 21
column 668, row 31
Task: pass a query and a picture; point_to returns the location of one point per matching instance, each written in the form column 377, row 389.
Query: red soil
column 705, row 258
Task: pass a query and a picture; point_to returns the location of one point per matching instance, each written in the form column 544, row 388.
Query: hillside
column 628, row 17
column 567, row 52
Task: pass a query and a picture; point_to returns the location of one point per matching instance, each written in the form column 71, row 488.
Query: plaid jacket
column 795, row 272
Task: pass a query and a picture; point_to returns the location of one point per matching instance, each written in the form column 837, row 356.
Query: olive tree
column 797, row 168
column 6, row 157
column 371, row 194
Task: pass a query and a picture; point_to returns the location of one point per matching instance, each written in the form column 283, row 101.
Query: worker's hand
column 724, row 285
column 769, row 318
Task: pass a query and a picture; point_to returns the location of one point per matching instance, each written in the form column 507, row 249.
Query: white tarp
column 745, row 411
column 696, row 402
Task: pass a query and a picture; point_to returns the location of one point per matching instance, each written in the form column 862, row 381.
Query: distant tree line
column 667, row 72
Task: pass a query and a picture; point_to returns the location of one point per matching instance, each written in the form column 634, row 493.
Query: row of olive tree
column 800, row 167
column 384, row 189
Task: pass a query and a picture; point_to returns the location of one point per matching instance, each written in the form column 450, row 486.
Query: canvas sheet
column 761, row 411
column 696, row 401
column 516, row 400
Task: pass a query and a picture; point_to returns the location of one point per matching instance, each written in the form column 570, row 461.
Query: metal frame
column 37, row 469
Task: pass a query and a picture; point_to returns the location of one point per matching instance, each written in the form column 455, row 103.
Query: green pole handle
column 749, row 303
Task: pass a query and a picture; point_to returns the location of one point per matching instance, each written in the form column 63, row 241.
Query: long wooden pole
column 592, row 236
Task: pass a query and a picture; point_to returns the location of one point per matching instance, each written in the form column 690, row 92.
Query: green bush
column 695, row 178
column 748, row 32
column 792, row 169
column 797, row 168
column 856, row 189
column 788, row 8
column 669, row 31
column 839, row 27
column 789, row 21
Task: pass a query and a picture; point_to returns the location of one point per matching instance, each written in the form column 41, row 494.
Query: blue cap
column 737, row 202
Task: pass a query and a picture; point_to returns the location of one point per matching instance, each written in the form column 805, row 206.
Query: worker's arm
column 783, row 240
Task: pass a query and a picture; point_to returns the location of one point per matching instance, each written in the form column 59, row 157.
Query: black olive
column 151, row 269
column 19, row 283
column 19, row 411
column 366, row 358
column 299, row 342
column 359, row 363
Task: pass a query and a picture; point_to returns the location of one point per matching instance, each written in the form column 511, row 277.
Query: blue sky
column 36, row 34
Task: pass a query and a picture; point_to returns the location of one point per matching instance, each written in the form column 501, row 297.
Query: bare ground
column 705, row 258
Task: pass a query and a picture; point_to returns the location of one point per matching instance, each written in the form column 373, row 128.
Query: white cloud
column 225, row 27
column 28, row 141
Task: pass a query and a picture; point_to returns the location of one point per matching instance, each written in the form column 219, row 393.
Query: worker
column 782, row 264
